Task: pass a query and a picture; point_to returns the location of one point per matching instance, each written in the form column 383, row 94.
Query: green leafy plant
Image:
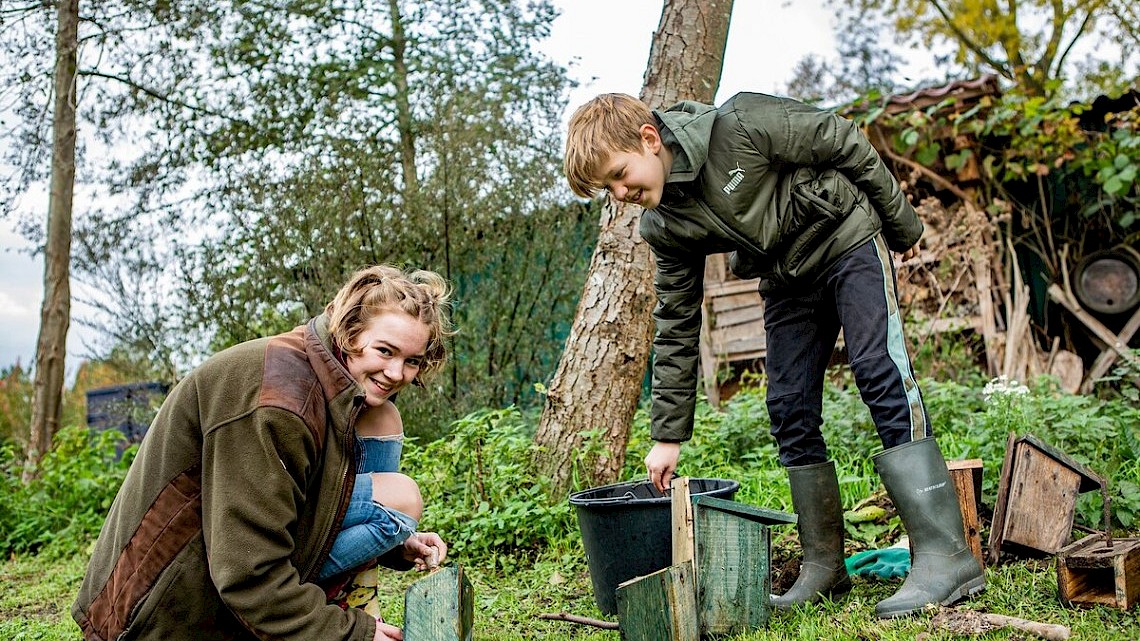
column 481, row 490
column 65, row 504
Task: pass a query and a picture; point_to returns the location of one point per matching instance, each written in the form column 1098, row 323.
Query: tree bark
column 599, row 379
column 55, row 313
column 403, row 104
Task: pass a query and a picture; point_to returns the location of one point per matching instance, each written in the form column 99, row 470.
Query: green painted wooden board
column 733, row 552
column 440, row 607
column 744, row 510
column 660, row 606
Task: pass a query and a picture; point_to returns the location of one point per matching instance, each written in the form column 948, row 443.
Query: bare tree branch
column 92, row 73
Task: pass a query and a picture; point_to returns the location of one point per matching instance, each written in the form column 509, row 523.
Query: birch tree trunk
column 599, row 379
column 55, row 313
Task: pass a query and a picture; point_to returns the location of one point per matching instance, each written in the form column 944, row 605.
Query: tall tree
column 1028, row 43
column 55, row 312
column 599, row 379
column 292, row 143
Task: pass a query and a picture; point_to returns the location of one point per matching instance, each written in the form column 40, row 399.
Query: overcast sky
column 606, row 45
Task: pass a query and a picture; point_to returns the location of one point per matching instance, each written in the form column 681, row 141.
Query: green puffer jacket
column 786, row 188
column 233, row 502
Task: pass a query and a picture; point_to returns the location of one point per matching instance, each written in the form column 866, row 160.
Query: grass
column 35, row 604
column 524, row 556
column 509, row 600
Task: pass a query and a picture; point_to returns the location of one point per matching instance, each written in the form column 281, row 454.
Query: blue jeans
column 369, row 528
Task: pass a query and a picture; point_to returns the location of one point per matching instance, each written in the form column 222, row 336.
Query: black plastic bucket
column 627, row 531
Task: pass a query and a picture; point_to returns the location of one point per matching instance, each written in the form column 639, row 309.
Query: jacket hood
column 691, row 124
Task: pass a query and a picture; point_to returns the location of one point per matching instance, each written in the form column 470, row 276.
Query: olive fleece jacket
column 233, row 502
column 786, row 188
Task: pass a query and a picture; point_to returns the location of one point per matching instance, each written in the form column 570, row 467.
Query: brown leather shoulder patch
column 289, row 383
column 169, row 524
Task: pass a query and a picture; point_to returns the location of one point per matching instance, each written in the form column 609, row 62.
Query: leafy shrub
column 1100, row 434
column 15, row 404
column 66, row 503
column 481, row 490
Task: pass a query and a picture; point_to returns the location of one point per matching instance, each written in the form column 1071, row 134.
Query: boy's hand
column 661, row 462
column 909, row 254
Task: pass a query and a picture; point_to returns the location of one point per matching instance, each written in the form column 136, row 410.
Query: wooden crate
column 733, row 564
column 440, row 607
column 1034, row 475
column 661, row 606
column 1092, row 573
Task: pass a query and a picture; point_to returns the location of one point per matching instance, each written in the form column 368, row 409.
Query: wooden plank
column 1103, row 362
column 440, row 607
column 744, row 510
column 734, row 583
column 681, row 507
column 950, row 324
column 1090, row 480
column 1039, row 481
column 730, row 287
column 716, row 269
column 983, row 282
column 744, row 315
column 967, row 478
column 734, row 300
column 1002, row 502
column 734, row 350
column 1094, row 326
column 661, row 606
column 725, row 335
column 1070, row 371
column 710, row 363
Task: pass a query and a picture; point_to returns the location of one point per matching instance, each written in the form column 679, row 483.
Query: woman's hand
column 426, row 549
column 661, row 462
column 385, row 632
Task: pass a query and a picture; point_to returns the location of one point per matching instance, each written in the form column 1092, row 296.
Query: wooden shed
column 732, row 330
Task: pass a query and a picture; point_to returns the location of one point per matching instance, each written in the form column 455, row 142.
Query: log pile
column 966, row 278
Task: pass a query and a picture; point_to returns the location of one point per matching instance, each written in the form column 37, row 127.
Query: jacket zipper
column 309, row 576
column 342, row 507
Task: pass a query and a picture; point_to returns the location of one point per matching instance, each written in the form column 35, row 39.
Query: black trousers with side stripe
column 858, row 295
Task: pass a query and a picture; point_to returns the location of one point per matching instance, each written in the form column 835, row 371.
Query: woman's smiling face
column 392, row 347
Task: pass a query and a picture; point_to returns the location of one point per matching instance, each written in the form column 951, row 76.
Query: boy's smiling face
column 638, row 177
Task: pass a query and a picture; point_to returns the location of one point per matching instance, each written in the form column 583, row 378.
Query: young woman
column 244, row 496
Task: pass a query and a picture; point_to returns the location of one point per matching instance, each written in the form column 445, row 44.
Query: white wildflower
column 1003, row 386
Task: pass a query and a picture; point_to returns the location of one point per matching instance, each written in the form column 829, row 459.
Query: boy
column 802, row 200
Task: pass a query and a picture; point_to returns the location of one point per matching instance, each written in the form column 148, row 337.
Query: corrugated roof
column 986, row 85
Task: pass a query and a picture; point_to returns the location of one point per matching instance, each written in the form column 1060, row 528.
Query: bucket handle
column 628, row 496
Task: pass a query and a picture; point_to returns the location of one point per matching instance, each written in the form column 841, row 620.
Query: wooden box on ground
column 967, row 478
column 720, row 572
column 440, row 607
column 661, row 606
column 1091, row 573
column 1037, row 498
column 733, row 563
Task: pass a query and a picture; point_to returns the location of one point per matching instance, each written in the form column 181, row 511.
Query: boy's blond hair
column 608, row 124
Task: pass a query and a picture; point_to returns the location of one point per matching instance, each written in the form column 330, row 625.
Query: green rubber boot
column 943, row 570
column 815, row 497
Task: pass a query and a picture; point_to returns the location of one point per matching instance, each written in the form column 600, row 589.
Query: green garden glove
column 891, row 563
